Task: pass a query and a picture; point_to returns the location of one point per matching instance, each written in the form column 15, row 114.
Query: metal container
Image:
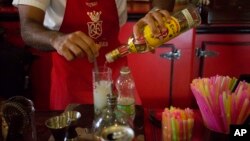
column 63, row 126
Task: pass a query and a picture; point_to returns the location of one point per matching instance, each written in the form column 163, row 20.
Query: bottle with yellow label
column 180, row 22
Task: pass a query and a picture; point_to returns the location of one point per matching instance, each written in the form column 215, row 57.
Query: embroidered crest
column 94, row 27
column 91, row 4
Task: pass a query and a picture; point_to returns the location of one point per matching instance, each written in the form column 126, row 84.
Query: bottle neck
column 111, row 101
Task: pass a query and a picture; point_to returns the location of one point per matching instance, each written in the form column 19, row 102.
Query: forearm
column 164, row 4
column 72, row 45
column 37, row 36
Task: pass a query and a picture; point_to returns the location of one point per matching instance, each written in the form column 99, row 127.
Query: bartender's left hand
column 154, row 19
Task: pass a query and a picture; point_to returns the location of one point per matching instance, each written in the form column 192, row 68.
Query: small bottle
column 125, row 86
column 180, row 22
column 113, row 124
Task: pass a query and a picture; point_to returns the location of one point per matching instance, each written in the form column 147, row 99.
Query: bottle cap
column 125, row 70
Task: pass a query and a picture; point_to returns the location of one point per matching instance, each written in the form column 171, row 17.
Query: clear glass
column 125, row 86
column 102, row 85
column 113, row 124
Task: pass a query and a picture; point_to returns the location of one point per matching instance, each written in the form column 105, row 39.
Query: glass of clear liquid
column 102, row 86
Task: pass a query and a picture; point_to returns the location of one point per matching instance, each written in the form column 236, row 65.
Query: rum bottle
column 180, row 22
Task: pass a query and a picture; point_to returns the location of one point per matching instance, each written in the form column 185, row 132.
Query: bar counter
column 145, row 128
column 87, row 116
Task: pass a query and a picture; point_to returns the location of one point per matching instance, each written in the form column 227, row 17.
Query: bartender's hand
column 154, row 19
column 70, row 46
column 76, row 44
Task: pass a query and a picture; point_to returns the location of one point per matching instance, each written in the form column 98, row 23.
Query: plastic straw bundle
column 177, row 124
column 218, row 104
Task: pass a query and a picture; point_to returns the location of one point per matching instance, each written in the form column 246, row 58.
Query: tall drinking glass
column 102, row 81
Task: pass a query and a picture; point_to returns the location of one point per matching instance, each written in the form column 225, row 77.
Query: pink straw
column 218, row 105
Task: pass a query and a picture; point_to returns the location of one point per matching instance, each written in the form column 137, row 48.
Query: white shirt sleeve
column 41, row 4
column 55, row 11
column 122, row 11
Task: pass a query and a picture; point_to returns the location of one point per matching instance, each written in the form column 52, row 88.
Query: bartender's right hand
column 76, row 45
column 155, row 20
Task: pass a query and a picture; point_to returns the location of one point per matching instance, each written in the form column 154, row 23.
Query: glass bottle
column 113, row 124
column 180, row 22
column 125, row 86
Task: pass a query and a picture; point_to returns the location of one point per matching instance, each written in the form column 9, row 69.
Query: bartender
column 77, row 32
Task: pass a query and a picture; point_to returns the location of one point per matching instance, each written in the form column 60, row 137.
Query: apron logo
column 91, row 4
column 94, row 27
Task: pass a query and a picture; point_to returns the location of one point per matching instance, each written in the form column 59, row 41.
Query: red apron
column 72, row 80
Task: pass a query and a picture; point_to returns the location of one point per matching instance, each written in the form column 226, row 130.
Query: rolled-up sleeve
column 41, row 4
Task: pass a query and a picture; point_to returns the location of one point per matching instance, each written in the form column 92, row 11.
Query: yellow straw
column 190, row 126
column 169, row 126
column 173, row 129
column 165, row 131
column 232, row 84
